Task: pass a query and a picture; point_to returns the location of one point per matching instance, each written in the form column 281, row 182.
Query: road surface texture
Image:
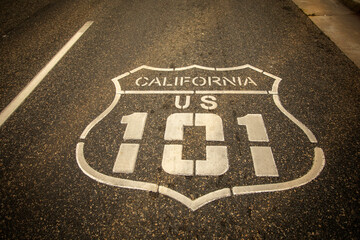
column 188, row 148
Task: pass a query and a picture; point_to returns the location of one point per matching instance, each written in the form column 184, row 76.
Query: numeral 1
column 263, row 160
column 126, row 157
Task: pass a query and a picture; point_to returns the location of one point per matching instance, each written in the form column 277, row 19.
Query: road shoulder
column 339, row 23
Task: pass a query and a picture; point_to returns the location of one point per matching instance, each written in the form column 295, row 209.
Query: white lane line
column 19, row 99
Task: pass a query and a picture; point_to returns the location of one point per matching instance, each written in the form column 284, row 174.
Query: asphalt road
column 57, row 178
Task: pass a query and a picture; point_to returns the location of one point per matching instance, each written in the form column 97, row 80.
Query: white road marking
column 317, row 167
column 208, row 102
column 255, row 127
column 197, row 203
column 306, row 130
column 263, row 159
column 135, row 125
column 158, row 92
column 175, row 125
column 19, row 99
column 152, row 68
column 126, row 158
column 240, row 67
column 264, row 163
column 214, row 129
column 175, row 153
column 185, row 106
column 233, row 68
column 112, row 181
column 195, row 66
column 209, row 92
column 173, row 163
column 121, row 76
column 100, row 117
column 216, row 163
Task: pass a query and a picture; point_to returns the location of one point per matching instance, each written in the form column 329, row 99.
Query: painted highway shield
column 198, row 134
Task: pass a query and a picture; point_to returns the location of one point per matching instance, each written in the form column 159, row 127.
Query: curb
column 352, row 4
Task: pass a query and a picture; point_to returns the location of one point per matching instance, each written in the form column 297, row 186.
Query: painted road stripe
column 19, row 99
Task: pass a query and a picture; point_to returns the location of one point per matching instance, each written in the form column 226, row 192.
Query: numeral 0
column 216, row 162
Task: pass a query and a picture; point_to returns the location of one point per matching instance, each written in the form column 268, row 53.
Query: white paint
column 173, row 163
column 159, row 92
column 151, row 68
column 318, row 163
column 255, row 127
column 209, row 92
column 270, row 75
column 249, row 80
column 199, row 202
column 233, row 68
column 240, row 67
column 158, row 69
column 317, row 167
column 107, row 111
column 126, row 158
column 307, row 131
column 175, row 125
column 216, row 163
column 137, row 81
column 166, row 81
column 185, row 106
column 263, row 160
column 195, row 66
column 121, row 76
column 138, row 69
column 213, row 126
column 275, row 87
column 264, row 163
column 100, row 117
column 256, row 69
column 135, row 125
column 20, row 98
column 208, row 102
column 112, row 181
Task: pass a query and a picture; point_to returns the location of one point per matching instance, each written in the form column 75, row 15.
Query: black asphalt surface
column 44, row 193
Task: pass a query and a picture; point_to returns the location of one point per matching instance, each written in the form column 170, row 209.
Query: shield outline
column 315, row 170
